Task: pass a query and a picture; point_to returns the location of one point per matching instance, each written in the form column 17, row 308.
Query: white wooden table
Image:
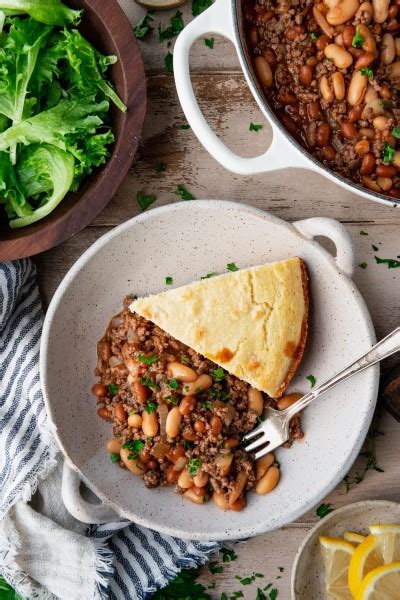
column 229, row 107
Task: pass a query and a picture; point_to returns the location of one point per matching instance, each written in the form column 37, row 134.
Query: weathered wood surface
column 292, row 195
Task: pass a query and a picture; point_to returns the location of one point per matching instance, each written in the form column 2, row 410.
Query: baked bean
column 252, row 36
column 394, row 192
column 364, row 60
column 132, row 464
column 396, row 160
column 295, row 32
column 238, row 486
column 200, row 479
column 338, row 85
column 269, row 481
column 239, row 504
column 313, row 110
column 380, row 122
column 181, row 372
column 287, row 98
column 152, row 464
column 135, row 420
column 367, row 164
column 145, row 457
column 347, row 34
column 231, row 442
column 255, row 400
column 393, row 11
column 199, row 426
column 328, row 30
column 141, row 392
column 221, row 501
column 393, row 70
column 104, row 413
column 187, row 405
column 392, row 25
column 371, row 184
column 388, row 49
column 342, row 12
column 381, row 10
column 104, row 351
column 312, row 61
column 339, row 39
column 263, row 71
column 287, row 401
column 99, row 390
column 120, row 412
column 263, row 464
column 357, row 88
column 397, row 46
column 170, row 475
column 340, row 57
column 114, row 446
column 310, row 134
column 362, row 147
column 323, row 135
column 384, row 92
column 149, row 424
column 175, row 453
column 386, row 170
column 348, row 130
column 173, row 422
column 190, row 495
column 189, row 435
column 215, row 425
column 203, row 382
column 263, row 17
column 365, row 12
column 329, row 153
column 184, row 480
column 224, row 462
column 180, row 464
column 385, row 183
column 369, row 44
column 325, row 89
column 306, row 74
column 355, row 113
column 270, row 56
column 367, row 132
column 370, row 94
column 323, row 41
column 289, row 124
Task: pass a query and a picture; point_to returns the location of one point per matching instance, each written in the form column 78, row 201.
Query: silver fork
column 274, row 431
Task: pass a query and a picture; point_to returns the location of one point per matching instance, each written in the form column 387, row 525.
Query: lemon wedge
column 336, row 554
column 367, row 556
column 388, row 537
column 353, row 538
column 383, row 583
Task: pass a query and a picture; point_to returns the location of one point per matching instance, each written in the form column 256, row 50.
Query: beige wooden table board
column 291, row 195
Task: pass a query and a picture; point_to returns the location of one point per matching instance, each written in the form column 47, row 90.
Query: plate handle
column 77, row 506
column 337, row 233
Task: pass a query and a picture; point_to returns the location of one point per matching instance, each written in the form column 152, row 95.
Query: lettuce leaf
column 51, row 169
column 10, row 191
column 49, row 12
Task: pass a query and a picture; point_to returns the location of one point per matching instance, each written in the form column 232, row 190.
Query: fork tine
column 266, row 450
column 252, row 433
column 258, row 442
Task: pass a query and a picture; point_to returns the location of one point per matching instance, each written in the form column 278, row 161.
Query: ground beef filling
column 166, row 434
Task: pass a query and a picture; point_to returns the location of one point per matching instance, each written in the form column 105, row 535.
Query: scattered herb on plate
column 183, row 193
column 312, row 380
column 114, row 457
column 232, row 267
column 323, row 510
column 218, row 374
column 209, row 42
column 194, row 465
column 144, row 200
column 150, row 407
column 147, row 360
column 112, row 388
column 212, row 274
column 255, row 126
column 169, row 281
column 134, row 446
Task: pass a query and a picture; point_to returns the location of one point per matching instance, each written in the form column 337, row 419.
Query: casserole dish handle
column 78, row 507
column 280, row 155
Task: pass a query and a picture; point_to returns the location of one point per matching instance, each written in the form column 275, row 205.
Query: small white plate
column 186, row 240
column 308, row 569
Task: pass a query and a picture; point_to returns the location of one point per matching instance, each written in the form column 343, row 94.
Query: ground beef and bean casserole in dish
column 331, row 71
column 178, row 418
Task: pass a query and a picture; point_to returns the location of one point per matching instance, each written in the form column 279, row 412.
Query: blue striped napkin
column 142, row 560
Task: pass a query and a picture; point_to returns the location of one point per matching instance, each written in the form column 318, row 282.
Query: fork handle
column 386, row 347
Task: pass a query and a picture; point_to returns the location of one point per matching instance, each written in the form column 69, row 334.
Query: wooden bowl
column 105, row 25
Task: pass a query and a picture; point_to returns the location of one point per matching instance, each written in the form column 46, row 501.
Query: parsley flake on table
column 209, row 42
column 392, row 263
column 312, row 380
column 194, row 465
column 388, row 153
column 172, row 31
column 134, row 446
column 232, row 267
column 150, row 407
column 161, row 167
column 396, row 132
column 281, row 569
column 185, row 126
column 371, row 459
column 114, row 457
column 183, row 586
column 169, row 281
column 214, row 567
column 374, row 247
column 169, row 62
column 228, row 555
column 218, row 374
column 149, row 383
column 173, row 384
column 144, row 200
column 245, row 580
column 363, row 232
column 273, row 594
column 112, row 388
column 323, row 510
column 363, row 265
column 357, row 40
column 212, row 274
column 143, row 27
column 255, row 126
column 238, row 594
column 198, row 6
column 367, row 71
column 183, row 193
column 147, row 360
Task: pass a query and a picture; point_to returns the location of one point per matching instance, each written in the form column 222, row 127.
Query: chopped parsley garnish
column 173, row 384
column 388, row 153
column 194, row 465
column 396, row 132
column 218, row 374
column 143, row 27
column 367, row 71
column 206, row 404
column 273, row 594
column 183, row 586
column 215, row 568
column 255, row 126
column 169, row 281
column 211, row 274
column 171, row 400
column 357, row 40
column 228, row 555
column 218, row 393
column 144, row 200
column 185, row 359
column 198, row 6
column 313, row 36
column 185, row 126
column 134, row 446
column 323, row 510
column 148, row 360
column 183, row 193
column 161, row 167
column 133, row 412
column 311, row 379
column 170, row 32
column 363, row 232
column 363, row 265
column 209, row 42
column 392, row 263
column 232, row 267
column 260, row 419
column 371, row 460
column 112, row 388
column 149, row 383
column 260, row 595
column 114, row 457
column 375, row 248
column 150, row 407
column 169, row 62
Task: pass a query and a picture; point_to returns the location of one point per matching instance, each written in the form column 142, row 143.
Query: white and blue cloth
column 121, row 561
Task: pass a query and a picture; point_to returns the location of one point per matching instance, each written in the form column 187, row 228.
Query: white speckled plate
column 186, row 240
column 308, row 569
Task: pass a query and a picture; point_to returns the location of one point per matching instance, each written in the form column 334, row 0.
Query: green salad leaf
column 50, row 12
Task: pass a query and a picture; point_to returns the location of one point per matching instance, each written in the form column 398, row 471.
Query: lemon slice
column 388, row 537
column 353, row 538
column 382, row 583
column 366, row 557
column 336, row 554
